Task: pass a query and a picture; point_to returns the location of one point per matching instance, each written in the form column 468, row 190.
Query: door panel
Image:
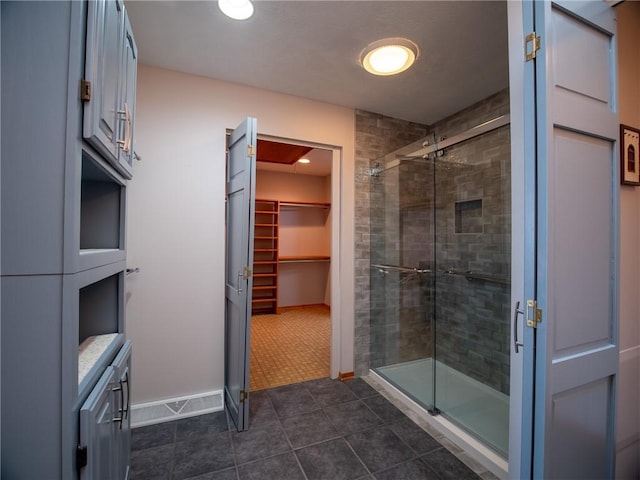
column 240, row 196
column 576, row 348
column 582, row 182
column 97, row 429
column 577, row 424
column 102, row 69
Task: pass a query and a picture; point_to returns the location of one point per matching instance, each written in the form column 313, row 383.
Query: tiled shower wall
column 394, row 311
column 376, row 136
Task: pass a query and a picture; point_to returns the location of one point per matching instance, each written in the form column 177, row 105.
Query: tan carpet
column 290, row 347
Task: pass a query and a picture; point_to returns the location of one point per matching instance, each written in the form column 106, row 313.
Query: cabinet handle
column 121, row 410
column 128, row 403
column 125, row 144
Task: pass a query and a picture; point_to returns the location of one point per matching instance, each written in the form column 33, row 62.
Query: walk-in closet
column 291, row 321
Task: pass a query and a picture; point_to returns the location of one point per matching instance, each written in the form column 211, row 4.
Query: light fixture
column 236, row 9
column 389, row 56
column 304, row 160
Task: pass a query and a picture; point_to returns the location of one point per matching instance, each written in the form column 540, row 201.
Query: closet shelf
column 304, row 258
column 305, row 204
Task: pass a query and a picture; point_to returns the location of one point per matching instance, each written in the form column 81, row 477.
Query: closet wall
column 304, row 233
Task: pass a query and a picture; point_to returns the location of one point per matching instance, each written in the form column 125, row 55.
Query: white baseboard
column 175, row 408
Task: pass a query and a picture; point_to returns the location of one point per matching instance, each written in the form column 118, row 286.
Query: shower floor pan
column 479, row 409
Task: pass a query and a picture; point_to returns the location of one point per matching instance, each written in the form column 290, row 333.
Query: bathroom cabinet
column 109, row 85
column 105, row 415
column 63, row 226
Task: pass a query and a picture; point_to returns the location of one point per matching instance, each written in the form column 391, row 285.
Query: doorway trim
column 336, row 277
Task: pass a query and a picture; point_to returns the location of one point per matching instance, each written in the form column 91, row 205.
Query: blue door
column 240, row 204
column 570, row 340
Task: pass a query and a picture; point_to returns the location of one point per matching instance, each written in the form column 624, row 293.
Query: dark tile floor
column 321, row 429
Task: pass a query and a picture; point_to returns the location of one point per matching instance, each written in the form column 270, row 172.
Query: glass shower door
column 472, row 285
column 401, row 336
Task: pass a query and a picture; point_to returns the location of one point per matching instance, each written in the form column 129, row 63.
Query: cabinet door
column 127, row 100
column 97, row 429
column 105, row 22
column 122, row 368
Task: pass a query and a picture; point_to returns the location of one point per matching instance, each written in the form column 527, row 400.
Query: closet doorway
column 291, row 295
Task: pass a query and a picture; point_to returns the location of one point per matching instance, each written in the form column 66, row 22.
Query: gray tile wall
column 398, row 221
column 376, row 136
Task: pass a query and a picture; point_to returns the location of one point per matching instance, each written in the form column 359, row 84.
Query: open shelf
column 265, row 257
column 102, row 214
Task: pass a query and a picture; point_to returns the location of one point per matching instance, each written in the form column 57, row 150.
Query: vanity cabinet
column 63, row 269
column 109, row 84
column 105, row 424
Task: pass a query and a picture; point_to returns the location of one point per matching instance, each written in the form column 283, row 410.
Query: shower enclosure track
column 461, row 137
column 436, row 147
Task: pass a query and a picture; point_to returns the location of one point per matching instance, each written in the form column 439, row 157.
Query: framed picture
column 629, row 155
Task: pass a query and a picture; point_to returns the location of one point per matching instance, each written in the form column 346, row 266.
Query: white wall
column 175, row 305
column 628, row 410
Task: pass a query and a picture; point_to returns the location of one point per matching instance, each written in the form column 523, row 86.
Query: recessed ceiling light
column 304, row 160
column 389, row 56
column 236, row 9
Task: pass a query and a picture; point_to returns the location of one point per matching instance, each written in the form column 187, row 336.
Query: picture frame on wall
column 629, row 155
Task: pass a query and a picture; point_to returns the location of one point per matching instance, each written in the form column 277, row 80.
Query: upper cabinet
column 109, row 87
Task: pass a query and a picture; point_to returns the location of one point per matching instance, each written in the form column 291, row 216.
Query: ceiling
column 311, row 48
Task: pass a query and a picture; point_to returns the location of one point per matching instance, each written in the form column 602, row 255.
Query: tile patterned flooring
column 319, row 429
column 291, row 346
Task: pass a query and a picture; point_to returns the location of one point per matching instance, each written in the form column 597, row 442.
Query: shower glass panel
column 402, row 282
column 440, row 281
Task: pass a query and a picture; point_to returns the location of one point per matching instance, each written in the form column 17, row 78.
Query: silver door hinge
column 251, row 151
column 85, row 90
column 243, row 395
column 534, row 314
column 531, row 46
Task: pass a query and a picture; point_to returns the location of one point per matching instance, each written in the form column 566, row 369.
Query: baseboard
column 175, row 408
column 345, row 376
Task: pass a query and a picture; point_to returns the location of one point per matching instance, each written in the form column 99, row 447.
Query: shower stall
column 440, row 277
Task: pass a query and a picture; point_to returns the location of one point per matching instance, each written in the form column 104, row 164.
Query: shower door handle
column 517, row 312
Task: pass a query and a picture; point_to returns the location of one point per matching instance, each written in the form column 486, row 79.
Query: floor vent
column 176, row 408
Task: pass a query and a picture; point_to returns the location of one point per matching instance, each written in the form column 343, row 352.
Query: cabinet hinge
column 243, row 395
column 531, row 46
column 85, row 91
column 534, row 314
column 81, row 456
column 251, row 151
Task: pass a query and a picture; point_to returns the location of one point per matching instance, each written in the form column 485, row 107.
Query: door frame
column 336, row 278
column 522, row 110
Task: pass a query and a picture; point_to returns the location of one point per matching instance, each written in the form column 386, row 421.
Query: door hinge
column 243, row 395
column 81, row 456
column 533, row 41
column 251, row 151
column 247, row 273
column 534, row 314
column 85, row 91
